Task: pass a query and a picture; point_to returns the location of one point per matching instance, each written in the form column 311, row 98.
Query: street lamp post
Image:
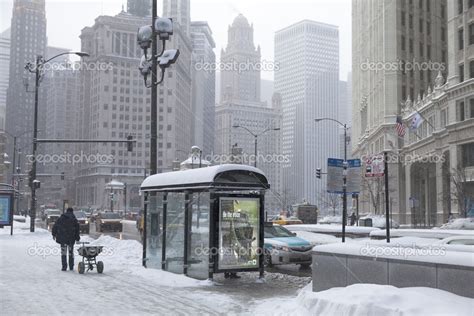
column 255, row 136
column 344, row 176
column 37, row 69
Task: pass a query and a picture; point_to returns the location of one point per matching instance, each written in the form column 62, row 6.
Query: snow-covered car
column 283, row 247
column 108, row 221
column 83, row 221
column 458, row 243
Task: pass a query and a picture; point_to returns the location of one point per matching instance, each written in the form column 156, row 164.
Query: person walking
column 66, row 233
column 353, row 218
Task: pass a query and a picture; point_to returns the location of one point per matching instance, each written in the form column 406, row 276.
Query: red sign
column 375, row 166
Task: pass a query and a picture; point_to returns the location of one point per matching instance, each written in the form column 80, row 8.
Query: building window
column 468, row 155
column 428, row 28
column 471, row 34
column 403, row 18
column 471, row 108
column 460, row 6
column 461, row 73
column 444, row 118
column 420, row 26
column 461, row 39
column 403, row 43
column 411, row 45
column 421, row 49
column 461, row 112
column 410, row 21
column 471, row 3
column 428, row 5
column 471, row 69
column 443, row 34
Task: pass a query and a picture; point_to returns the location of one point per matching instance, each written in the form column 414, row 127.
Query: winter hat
column 69, row 210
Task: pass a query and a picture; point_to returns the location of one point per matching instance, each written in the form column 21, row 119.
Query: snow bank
column 331, row 220
column 318, row 239
column 430, row 253
column 460, row 223
column 424, row 233
column 318, row 228
column 370, row 299
column 379, row 221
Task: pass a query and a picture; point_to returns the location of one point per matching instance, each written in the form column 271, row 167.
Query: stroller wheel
column 100, row 267
column 81, row 267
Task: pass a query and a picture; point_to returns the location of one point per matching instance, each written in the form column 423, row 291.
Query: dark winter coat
column 66, row 229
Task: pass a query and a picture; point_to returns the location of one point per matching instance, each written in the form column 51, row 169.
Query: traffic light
column 130, row 143
column 318, row 173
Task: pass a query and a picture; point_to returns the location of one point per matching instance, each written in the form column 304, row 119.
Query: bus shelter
column 204, row 221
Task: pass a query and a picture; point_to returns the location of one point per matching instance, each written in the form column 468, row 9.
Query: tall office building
column 204, row 86
column 4, row 73
column 28, row 39
column 139, row 7
column 240, row 105
column 399, row 48
column 114, row 103
column 62, row 89
column 308, row 80
column 180, row 12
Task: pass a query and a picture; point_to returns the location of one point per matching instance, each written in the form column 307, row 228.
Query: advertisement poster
column 238, row 233
column 5, row 209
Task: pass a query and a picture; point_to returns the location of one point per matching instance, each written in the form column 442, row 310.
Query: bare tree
column 375, row 189
column 459, row 190
column 329, row 200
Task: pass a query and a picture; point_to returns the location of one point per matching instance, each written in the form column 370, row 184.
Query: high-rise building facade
column 28, row 39
column 204, row 86
column 240, row 105
column 4, row 73
column 307, row 54
column 114, row 103
column 399, row 48
column 180, row 12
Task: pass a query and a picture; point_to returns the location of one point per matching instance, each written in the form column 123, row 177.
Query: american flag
column 400, row 127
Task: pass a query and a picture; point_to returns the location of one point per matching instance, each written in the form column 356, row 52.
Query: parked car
column 283, row 247
column 51, row 216
column 108, row 221
column 83, row 221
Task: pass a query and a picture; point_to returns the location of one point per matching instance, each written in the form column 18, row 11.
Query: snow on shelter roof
column 223, row 176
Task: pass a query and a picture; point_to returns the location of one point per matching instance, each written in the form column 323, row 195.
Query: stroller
column 88, row 254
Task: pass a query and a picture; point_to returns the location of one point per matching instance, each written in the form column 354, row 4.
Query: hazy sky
column 66, row 18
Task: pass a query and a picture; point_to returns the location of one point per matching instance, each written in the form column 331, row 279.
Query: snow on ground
column 379, row 221
column 368, row 300
column 424, row 233
column 460, row 223
column 330, row 228
column 317, row 238
column 32, row 284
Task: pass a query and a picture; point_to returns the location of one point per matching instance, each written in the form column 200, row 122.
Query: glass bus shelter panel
column 175, row 212
column 239, row 224
column 154, row 230
column 198, row 255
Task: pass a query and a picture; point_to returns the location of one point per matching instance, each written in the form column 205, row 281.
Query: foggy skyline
column 267, row 17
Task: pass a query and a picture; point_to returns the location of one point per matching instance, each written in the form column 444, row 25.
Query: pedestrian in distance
column 353, row 218
column 66, row 233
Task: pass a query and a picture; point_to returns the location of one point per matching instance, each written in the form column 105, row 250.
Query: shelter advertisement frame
column 6, row 209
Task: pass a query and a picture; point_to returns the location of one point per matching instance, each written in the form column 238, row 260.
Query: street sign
column 335, row 176
column 375, row 166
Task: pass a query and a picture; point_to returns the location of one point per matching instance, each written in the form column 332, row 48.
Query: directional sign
column 335, row 176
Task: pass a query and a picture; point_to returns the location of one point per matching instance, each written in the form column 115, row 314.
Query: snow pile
column 331, row 220
column 370, row 299
column 379, row 221
column 460, row 223
column 330, row 229
column 318, row 239
column 424, row 233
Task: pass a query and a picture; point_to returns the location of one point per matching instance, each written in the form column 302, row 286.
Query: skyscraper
column 4, row 73
column 180, row 12
column 307, row 54
column 204, row 83
column 28, row 39
column 240, row 105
